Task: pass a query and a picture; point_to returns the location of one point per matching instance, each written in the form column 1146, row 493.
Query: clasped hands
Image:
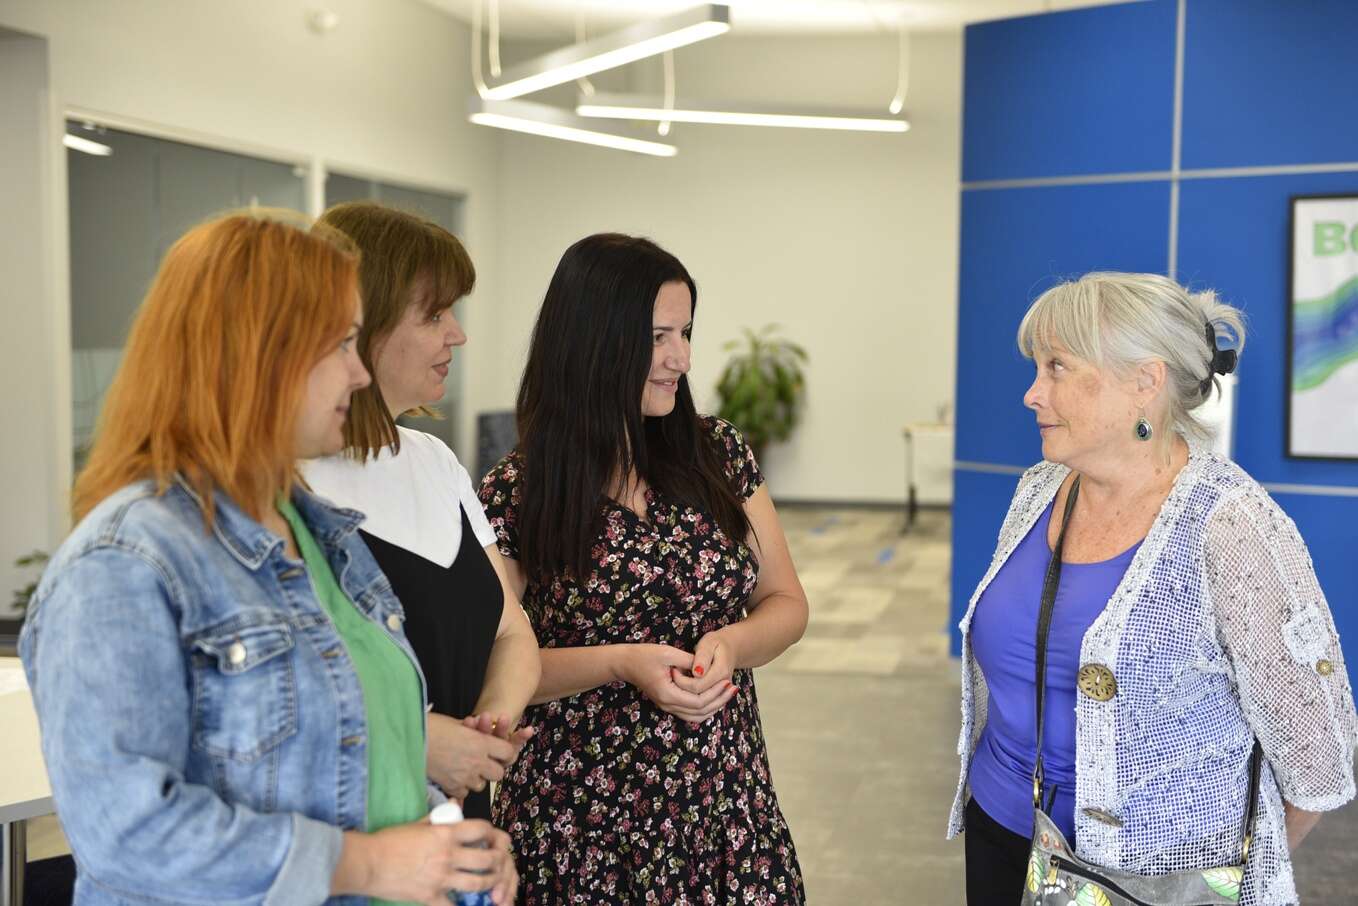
column 467, row 754
column 691, row 686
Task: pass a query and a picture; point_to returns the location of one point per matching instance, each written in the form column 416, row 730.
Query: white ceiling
column 556, row 18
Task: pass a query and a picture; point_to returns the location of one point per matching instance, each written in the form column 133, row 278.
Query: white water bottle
column 451, row 813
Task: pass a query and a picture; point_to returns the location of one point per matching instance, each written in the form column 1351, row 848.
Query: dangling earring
column 1143, row 428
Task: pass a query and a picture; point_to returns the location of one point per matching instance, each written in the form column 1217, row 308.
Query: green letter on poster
column 1329, row 238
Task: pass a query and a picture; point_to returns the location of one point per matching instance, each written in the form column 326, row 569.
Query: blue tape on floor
column 830, row 521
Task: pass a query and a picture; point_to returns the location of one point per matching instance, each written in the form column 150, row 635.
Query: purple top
column 1004, row 641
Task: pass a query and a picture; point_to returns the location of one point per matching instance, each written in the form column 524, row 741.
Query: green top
column 392, row 697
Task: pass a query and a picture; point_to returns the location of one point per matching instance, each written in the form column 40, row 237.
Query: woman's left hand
column 502, row 727
column 714, row 660
column 463, row 760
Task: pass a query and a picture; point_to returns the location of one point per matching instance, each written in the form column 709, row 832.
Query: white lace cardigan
column 1217, row 633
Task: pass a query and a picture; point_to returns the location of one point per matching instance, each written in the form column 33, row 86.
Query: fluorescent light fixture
column 76, row 143
column 645, row 39
column 635, row 107
column 553, row 122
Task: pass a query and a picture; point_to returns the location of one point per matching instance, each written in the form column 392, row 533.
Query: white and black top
column 427, row 531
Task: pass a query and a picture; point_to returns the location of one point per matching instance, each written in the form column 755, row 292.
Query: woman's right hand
column 463, row 760
column 421, row 862
column 651, row 669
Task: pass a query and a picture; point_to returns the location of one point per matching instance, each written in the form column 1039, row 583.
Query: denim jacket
column 203, row 727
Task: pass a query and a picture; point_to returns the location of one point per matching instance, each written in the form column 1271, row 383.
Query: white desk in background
column 24, row 791
column 928, row 467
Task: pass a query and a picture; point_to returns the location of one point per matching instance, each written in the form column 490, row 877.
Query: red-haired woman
column 230, row 711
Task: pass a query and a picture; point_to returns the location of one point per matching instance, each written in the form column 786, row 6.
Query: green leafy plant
column 762, row 388
column 25, row 594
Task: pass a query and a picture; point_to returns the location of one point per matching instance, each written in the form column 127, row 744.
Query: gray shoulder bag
column 1058, row 877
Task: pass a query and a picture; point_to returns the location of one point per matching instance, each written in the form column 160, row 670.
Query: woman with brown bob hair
column 230, row 712
column 424, row 523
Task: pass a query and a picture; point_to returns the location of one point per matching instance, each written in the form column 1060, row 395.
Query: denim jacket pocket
column 244, row 690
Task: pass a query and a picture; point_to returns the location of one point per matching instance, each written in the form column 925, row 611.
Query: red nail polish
column 697, row 671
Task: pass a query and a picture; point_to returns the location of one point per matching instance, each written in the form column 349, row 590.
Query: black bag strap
column 1252, row 806
column 1044, row 625
column 1044, row 621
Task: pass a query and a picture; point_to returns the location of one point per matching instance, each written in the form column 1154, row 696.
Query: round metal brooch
column 1097, row 682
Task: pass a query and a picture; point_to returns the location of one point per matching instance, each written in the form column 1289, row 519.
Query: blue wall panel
column 1015, row 244
column 1268, row 82
column 1087, row 91
column 1233, row 237
column 975, row 530
column 1090, row 92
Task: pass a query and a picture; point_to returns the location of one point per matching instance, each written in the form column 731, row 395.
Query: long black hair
column 579, row 408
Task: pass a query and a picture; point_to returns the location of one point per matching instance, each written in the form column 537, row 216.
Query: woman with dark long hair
column 647, row 553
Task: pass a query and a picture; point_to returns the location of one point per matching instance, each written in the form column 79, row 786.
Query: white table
column 24, row 790
column 928, row 466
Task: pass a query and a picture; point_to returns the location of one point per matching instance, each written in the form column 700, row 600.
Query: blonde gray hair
column 1121, row 321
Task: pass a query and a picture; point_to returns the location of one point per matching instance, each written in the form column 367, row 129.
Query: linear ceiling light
column 76, row 143
column 635, row 107
column 646, row 39
column 553, row 122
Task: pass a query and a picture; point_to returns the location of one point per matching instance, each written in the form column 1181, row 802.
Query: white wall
column 30, row 459
column 848, row 240
column 383, row 93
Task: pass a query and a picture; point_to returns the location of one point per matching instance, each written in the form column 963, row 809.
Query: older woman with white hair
column 1151, row 675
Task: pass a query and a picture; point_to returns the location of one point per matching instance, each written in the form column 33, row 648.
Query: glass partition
column 130, row 197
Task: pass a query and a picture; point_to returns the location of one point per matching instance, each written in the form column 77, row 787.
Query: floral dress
column 614, row 801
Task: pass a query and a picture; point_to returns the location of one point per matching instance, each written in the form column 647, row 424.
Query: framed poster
column 1322, row 326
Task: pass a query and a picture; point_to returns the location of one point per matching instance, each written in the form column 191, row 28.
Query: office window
column 126, row 209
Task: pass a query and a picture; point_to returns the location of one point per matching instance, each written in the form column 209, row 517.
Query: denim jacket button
column 393, row 622
column 235, row 654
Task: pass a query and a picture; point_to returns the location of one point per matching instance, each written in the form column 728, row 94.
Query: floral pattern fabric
column 614, row 801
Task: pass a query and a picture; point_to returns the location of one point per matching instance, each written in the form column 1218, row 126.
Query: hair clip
column 1223, row 360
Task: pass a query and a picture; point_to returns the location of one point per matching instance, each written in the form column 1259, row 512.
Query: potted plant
column 24, row 594
column 762, row 388
column 10, row 626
